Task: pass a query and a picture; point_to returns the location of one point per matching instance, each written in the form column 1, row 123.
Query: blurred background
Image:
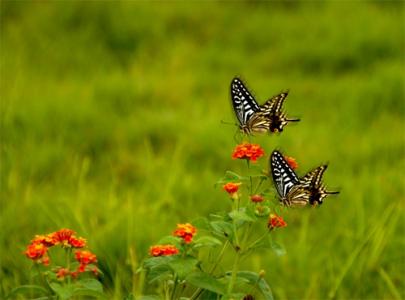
column 111, row 125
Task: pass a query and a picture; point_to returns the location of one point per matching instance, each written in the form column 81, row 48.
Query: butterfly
column 254, row 118
column 294, row 191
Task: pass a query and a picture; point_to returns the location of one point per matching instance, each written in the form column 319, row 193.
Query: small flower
column 45, row 260
column 163, row 250
column 291, row 162
column 77, row 242
column 47, row 240
column 186, row 232
column 85, row 257
column 275, row 221
column 256, row 198
column 63, row 236
column 36, row 251
column 62, row 273
column 248, row 151
column 231, row 187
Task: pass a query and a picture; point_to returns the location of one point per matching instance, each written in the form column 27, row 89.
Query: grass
column 110, row 125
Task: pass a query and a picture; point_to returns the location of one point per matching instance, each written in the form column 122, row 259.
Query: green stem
column 198, row 292
column 256, row 241
column 234, row 271
column 258, row 186
column 68, row 251
column 174, row 288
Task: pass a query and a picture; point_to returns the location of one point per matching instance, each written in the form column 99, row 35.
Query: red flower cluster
column 291, row 162
column 37, row 250
column 248, row 151
column 256, row 198
column 163, row 250
column 84, row 257
column 186, row 232
column 275, row 221
column 231, row 187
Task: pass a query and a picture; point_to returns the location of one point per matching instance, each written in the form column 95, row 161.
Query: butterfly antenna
column 293, row 120
column 228, row 123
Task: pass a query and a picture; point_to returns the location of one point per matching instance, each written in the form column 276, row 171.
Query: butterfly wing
column 313, row 178
column 244, row 105
column 283, row 176
column 274, row 104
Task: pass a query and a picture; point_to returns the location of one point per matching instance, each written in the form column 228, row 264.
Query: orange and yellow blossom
column 163, row 250
column 275, row 221
column 248, row 151
column 186, row 232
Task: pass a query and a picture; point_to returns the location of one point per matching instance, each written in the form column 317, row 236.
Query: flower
column 77, row 242
column 85, row 257
column 248, row 151
column 185, row 231
column 231, row 187
column 163, row 250
column 291, row 162
column 275, row 221
column 47, row 240
column 36, row 251
column 62, row 273
column 256, row 198
column 63, row 236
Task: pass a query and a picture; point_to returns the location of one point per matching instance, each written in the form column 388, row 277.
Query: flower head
column 291, row 162
column 163, row 250
column 77, row 242
column 62, row 273
column 256, row 198
column 185, row 231
column 275, row 221
column 231, row 187
column 48, row 240
column 248, row 151
column 36, row 251
column 85, row 257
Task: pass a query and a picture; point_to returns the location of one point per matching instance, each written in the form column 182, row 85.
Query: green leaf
column 207, row 241
column 169, row 239
column 222, row 228
column 205, row 281
column 64, row 292
column 183, row 266
column 25, row 289
column 242, row 215
column 256, row 280
column 158, row 267
column 90, row 284
column 278, row 249
column 148, row 297
column 201, row 223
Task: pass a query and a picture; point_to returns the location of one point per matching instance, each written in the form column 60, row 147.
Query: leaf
column 183, row 266
column 23, row 289
column 201, row 223
column 158, row 267
column 91, row 284
column 148, row 297
column 278, row 249
column 207, row 241
column 169, row 239
column 205, row 281
column 242, row 215
column 222, row 228
column 64, row 292
column 258, row 281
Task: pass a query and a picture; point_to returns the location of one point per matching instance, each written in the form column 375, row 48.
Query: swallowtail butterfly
column 294, row 191
column 254, row 118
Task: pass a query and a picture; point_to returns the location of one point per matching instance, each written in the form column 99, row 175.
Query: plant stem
column 234, row 271
column 68, row 251
column 258, row 186
column 174, row 288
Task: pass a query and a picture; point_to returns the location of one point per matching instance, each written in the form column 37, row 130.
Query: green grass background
column 110, row 125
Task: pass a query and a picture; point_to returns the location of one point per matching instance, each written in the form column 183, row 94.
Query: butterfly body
column 254, row 118
column 294, row 191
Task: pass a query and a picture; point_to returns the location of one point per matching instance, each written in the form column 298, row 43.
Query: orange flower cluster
column 84, row 257
column 186, row 232
column 37, row 250
column 163, row 250
column 248, row 151
column 231, row 187
column 291, row 162
column 275, row 221
column 256, row 198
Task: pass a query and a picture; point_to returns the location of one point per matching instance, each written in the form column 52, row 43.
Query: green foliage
column 110, row 125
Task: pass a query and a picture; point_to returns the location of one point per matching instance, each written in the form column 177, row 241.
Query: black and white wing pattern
column 251, row 118
column 274, row 104
column 294, row 191
column 272, row 109
column 283, row 176
column 312, row 182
